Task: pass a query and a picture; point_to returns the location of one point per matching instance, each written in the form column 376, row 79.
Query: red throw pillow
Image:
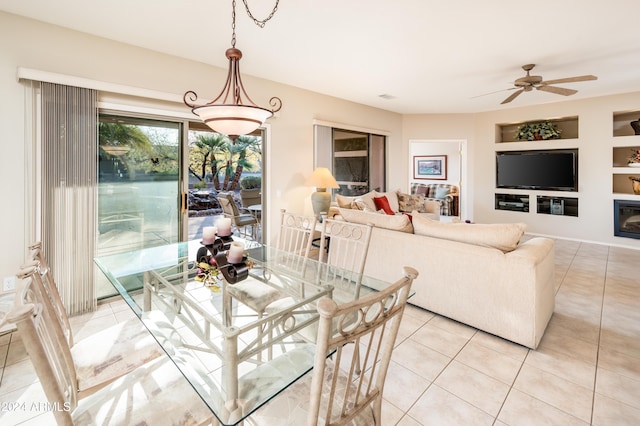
column 383, row 203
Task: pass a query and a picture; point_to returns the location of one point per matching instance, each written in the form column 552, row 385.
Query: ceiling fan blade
column 571, row 79
column 512, row 97
column 557, row 90
column 491, row 93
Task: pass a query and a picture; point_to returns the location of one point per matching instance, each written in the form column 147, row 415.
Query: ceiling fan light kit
column 232, row 112
column 530, row 82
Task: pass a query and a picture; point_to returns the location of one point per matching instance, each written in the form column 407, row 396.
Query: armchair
column 241, row 218
column 445, row 194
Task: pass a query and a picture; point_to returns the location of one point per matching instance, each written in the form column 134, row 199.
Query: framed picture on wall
column 430, row 167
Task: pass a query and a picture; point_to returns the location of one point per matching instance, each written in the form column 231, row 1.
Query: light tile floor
column 585, row 371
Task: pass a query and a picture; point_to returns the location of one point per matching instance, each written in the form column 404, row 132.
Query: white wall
column 31, row 44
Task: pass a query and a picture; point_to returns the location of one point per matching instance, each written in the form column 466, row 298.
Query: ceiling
column 428, row 56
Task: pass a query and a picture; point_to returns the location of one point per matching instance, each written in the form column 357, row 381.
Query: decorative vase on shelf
column 635, row 184
column 636, row 126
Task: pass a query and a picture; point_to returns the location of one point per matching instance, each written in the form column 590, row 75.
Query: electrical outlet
column 9, row 284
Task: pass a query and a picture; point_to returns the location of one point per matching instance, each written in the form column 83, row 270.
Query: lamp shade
column 322, row 178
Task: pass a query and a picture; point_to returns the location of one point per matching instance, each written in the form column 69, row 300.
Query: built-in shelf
column 560, row 206
column 622, row 123
column 505, row 132
column 621, row 183
column 513, row 202
column 621, row 155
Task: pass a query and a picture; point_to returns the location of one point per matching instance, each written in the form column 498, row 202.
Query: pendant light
column 232, row 112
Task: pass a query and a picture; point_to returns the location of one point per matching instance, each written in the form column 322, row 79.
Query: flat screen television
column 552, row 169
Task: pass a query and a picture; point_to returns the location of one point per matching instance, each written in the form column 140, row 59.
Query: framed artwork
column 430, row 167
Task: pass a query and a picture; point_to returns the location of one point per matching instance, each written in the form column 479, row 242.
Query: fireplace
column 626, row 216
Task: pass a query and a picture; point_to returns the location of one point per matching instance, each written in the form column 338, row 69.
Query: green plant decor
column 537, row 131
column 251, row 182
column 200, row 185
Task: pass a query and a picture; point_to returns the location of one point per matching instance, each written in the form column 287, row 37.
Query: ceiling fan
column 530, row 82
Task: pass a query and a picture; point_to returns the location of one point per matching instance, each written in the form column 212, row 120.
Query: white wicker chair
column 104, row 356
column 155, row 393
column 296, row 235
column 334, row 393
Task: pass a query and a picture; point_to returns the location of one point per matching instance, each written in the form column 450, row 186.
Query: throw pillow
column 409, row 203
column 345, row 202
column 392, row 197
column 422, row 190
column 382, row 203
column 442, row 192
column 398, row 222
column 502, row 236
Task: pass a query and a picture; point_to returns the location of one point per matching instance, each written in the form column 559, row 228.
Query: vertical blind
column 69, row 182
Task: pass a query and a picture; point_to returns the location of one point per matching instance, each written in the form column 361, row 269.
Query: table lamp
column 322, row 179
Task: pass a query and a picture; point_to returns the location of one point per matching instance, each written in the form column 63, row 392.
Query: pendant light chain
column 233, row 24
column 258, row 22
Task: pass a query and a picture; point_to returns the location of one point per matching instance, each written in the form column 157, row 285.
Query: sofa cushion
column 409, row 203
column 397, row 222
column 502, row 236
column 364, row 199
column 382, row 203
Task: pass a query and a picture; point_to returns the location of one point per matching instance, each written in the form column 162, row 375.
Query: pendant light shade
column 232, row 120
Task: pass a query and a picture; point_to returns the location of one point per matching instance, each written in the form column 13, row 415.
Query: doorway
column 455, row 152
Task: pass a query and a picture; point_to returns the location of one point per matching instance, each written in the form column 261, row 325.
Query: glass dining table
column 235, row 359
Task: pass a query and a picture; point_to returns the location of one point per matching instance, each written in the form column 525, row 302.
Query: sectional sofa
column 481, row 275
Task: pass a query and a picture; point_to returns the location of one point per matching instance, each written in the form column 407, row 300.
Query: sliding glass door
column 139, row 186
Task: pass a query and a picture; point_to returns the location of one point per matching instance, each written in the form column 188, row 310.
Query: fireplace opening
column 626, row 216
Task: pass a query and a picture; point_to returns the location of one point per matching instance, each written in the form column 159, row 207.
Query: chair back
column 296, row 233
column 296, row 237
column 362, row 333
column 44, row 341
column 228, row 205
column 36, row 259
column 250, row 197
column 344, row 247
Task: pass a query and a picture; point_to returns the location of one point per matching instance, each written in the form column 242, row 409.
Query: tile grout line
column 595, row 375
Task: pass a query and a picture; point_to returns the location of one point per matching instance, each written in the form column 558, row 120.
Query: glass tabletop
column 235, row 357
